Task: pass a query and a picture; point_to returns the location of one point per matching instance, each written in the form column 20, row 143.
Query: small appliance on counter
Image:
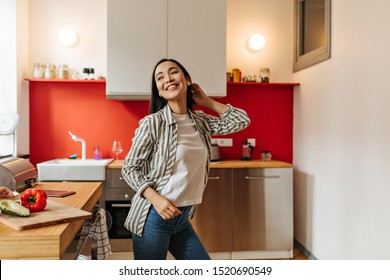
column 215, row 153
column 247, row 150
column 266, row 155
column 17, row 173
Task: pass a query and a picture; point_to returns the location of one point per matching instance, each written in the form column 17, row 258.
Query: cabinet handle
column 121, row 178
column 114, row 205
column 260, row 177
column 214, row 178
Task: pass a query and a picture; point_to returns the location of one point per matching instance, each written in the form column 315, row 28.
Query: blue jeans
column 175, row 235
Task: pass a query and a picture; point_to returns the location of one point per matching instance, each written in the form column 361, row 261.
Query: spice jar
column 37, row 71
column 50, row 71
column 76, row 75
column 249, row 78
column 266, row 155
column 63, row 71
column 92, row 74
column 264, row 75
column 86, row 72
column 228, row 76
column 236, row 73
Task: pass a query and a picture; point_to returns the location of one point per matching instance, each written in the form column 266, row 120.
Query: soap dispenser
column 97, row 154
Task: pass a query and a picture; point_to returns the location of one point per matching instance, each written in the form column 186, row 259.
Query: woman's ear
column 188, row 81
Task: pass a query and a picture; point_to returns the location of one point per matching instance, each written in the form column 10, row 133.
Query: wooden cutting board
column 54, row 213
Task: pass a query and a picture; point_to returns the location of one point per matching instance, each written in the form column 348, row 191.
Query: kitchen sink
column 73, row 170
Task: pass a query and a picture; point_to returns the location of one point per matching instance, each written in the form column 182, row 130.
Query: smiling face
column 170, row 81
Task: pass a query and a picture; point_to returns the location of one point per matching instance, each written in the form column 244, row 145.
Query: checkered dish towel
column 98, row 232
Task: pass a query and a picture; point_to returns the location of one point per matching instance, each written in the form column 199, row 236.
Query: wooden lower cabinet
column 213, row 218
column 247, row 212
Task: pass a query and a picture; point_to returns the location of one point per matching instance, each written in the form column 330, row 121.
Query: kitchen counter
column 250, row 164
column 117, row 164
column 50, row 242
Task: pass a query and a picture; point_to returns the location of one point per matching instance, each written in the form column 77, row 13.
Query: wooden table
column 50, row 242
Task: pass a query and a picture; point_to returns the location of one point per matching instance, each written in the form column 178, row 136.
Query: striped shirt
column 151, row 158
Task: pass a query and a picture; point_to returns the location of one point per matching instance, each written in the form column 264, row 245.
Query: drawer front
column 120, row 194
column 114, row 179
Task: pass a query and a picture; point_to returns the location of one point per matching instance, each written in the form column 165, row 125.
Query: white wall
column 30, row 34
column 274, row 20
column 8, row 54
column 87, row 17
column 8, row 66
column 341, row 139
column 14, row 47
column 23, row 55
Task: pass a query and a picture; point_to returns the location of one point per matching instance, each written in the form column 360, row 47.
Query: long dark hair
column 156, row 101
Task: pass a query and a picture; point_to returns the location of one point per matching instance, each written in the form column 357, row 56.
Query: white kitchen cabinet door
column 136, row 40
column 141, row 32
column 197, row 38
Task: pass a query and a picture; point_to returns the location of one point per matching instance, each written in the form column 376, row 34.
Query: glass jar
column 266, row 155
column 63, row 71
column 37, row 71
column 76, row 75
column 264, row 75
column 86, row 72
column 236, row 73
column 92, row 74
column 50, row 71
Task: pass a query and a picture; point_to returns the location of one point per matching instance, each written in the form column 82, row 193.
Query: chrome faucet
column 83, row 144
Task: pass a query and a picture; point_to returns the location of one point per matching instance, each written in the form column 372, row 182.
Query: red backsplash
column 57, row 107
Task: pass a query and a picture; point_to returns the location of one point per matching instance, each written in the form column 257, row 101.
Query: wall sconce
column 68, row 37
column 255, row 43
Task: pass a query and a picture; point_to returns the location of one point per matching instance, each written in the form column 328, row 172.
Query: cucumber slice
column 11, row 207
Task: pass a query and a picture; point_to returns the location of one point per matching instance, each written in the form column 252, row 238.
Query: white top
column 186, row 185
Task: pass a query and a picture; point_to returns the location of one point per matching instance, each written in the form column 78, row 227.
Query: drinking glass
column 117, row 148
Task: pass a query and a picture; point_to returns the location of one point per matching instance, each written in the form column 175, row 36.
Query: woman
column 168, row 163
column 6, row 192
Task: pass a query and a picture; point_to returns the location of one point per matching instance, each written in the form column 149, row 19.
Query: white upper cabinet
column 141, row 32
column 137, row 39
column 197, row 39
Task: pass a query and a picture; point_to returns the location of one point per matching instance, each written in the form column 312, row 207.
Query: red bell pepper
column 34, row 199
